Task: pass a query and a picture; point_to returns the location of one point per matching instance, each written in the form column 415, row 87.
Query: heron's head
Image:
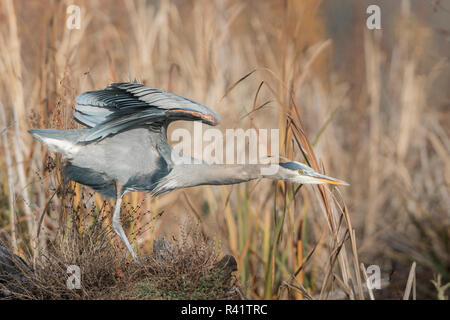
column 301, row 173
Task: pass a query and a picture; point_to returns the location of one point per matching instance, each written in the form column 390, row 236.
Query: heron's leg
column 117, row 224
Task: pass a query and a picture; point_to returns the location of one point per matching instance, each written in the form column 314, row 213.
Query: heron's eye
column 300, row 171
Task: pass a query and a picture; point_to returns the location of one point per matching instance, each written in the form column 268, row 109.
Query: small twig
column 411, row 282
column 348, row 291
column 366, row 278
column 236, row 83
column 41, row 218
column 300, row 288
column 440, row 287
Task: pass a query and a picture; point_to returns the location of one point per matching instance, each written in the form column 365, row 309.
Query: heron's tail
column 61, row 141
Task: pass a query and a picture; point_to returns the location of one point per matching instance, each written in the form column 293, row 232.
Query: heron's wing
column 123, row 106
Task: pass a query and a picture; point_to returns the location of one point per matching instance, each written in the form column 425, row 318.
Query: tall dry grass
column 378, row 119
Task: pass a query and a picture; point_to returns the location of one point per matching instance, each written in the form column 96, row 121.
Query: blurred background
column 370, row 107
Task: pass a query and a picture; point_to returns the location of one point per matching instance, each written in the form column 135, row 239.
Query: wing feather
column 123, row 106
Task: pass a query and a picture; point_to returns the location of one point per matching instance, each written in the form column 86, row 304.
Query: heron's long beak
column 321, row 178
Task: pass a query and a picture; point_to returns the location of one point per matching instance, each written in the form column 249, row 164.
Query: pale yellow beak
column 322, row 179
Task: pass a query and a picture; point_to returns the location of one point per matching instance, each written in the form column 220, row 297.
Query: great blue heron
column 124, row 147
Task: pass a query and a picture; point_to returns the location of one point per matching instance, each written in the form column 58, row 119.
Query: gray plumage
column 124, row 147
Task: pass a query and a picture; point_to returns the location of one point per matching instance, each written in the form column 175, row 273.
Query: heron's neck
column 217, row 174
column 190, row 175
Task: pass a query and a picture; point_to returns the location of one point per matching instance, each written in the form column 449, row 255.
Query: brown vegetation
column 370, row 107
